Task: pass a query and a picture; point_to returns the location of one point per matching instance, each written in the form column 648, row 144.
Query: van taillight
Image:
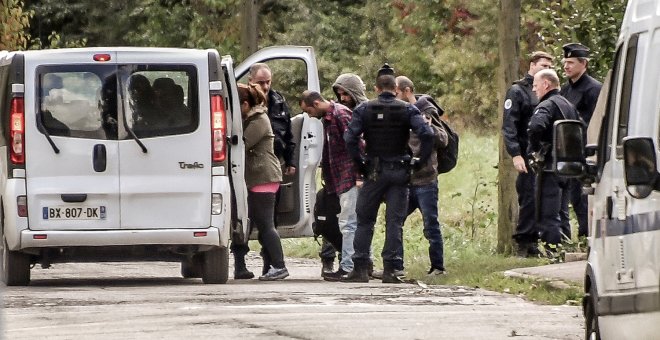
column 17, row 130
column 218, row 128
column 21, row 206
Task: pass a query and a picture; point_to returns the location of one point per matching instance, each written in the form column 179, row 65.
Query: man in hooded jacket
column 349, row 89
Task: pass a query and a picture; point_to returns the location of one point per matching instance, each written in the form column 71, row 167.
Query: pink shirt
column 266, row 187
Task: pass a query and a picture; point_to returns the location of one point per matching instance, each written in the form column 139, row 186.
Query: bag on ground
column 326, row 223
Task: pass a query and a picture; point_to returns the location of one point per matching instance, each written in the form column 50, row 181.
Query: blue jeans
column 425, row 197
column 392, row 186
column 347, row 218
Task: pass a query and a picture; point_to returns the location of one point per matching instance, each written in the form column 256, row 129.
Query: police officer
column 518, row 108
column 551, row 189
column 582, row 91
column 385, row 124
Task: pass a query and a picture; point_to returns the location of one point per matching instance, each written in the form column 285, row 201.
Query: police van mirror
column 568, row 151
column 641, row 171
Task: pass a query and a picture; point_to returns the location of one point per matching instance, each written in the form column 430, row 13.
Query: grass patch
column 468, row 214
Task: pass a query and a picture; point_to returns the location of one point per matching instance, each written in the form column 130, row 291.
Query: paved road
column 151, row 301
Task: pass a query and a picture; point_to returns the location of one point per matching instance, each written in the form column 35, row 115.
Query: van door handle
column 99, row 159
column 74, row 198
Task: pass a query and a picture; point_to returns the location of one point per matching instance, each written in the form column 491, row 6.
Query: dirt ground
column 151, row 301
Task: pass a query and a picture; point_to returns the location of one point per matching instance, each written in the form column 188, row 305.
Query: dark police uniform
column 385, row 124
column 583, row 94
column 519, row 105
column 552, row 188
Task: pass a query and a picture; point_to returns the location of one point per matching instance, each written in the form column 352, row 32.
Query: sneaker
column 243, row 275
column 378, row 274
column 335, row 276
column 436, row 272
column 274, row 274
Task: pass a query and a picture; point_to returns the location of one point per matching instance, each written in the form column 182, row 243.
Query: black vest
column 387, row 129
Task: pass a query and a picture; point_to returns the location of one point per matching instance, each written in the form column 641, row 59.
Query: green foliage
column 14, row 22
column 594, row 23
column 448, row 48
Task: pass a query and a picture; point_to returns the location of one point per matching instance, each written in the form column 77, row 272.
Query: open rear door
column 297, row 192
column 236, row 154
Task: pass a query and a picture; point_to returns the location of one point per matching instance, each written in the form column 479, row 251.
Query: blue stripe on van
column 632, row 224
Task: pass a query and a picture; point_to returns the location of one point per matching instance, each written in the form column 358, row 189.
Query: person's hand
column 290, row 171
column 359, row 183
column 519, row 164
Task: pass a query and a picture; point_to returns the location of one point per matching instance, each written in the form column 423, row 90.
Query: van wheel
column 591, row 318
column 15, row 267
column 192, row 267
column 215, row 267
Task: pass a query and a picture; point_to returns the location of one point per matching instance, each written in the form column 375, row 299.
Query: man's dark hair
column 309, row 97
column 386, row 83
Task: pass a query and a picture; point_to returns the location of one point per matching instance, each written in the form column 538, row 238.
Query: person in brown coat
column 262, row 177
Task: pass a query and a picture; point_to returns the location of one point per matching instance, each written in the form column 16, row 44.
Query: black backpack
column 447, row 156
column 326, row 223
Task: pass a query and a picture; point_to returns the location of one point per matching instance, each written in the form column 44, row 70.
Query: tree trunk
column 509, row 36
column 249, row 27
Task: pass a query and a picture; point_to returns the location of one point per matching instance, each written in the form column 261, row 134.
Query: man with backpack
column 424, row 179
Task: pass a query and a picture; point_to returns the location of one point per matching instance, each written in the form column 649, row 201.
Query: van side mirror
column 640, row 168
column 568, row 151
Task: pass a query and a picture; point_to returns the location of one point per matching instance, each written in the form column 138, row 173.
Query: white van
column 125, row 154
column 623, row 269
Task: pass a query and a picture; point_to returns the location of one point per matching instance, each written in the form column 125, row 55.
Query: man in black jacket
column 278, row 113
column 519, row 105
column 582, row 91
column 551, row 188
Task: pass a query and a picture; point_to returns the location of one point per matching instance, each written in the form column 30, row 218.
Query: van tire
column 15, row 267
column 215, row 266
column 591, row 329
column 192, row 267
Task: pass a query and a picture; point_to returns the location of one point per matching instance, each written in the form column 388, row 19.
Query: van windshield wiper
column 42, row 129
column 125, row 122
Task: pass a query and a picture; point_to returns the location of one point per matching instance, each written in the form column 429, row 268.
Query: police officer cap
column 385, row 70
column 575, row 50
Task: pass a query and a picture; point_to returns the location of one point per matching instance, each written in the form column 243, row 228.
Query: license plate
column 74, row 213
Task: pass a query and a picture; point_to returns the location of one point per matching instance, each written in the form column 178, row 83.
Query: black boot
column 240, row 269
column 359, row 274
column 390, row 276
column 328, row 266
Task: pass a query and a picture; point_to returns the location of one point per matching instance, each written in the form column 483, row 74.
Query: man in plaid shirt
column 339, row 172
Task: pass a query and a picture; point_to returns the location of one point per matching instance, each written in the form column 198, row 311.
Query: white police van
column 622, row 277
column 125, row 154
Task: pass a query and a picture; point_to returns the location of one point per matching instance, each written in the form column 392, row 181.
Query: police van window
column 71, row 102
column 161, row 100
column 289, row 78
column 607, row 126
column 626, row 91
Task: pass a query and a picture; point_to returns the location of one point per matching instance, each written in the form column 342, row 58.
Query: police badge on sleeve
column 507, row 104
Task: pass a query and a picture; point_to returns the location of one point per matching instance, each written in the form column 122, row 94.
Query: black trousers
column 526, row 230
column 391, row 185
column 260, row 210
column 554, row 200
column 579, row 203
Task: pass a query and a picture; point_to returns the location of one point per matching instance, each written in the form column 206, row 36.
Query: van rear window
column 103, row 101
